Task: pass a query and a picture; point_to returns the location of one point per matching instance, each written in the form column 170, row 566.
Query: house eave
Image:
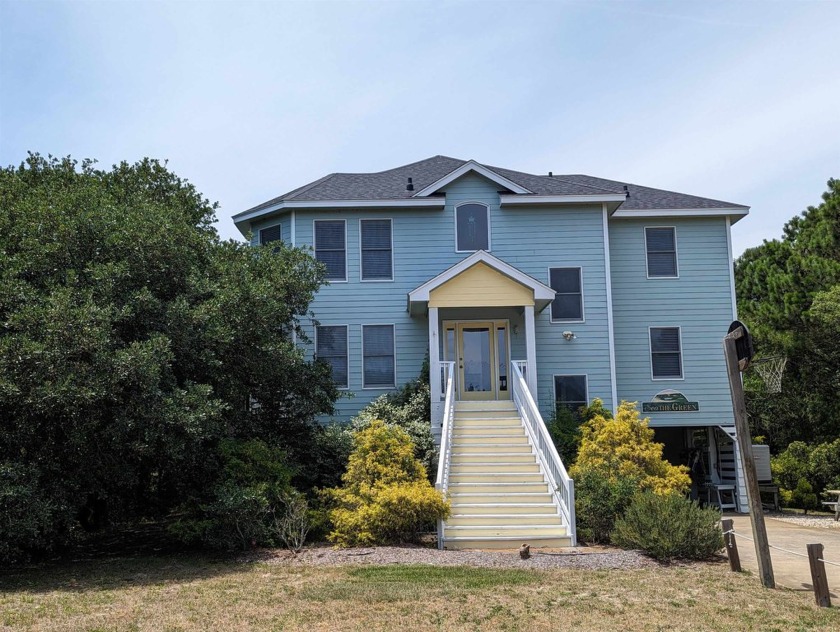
column 734, row 213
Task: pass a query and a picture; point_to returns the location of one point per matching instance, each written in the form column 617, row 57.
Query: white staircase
column 499, row 491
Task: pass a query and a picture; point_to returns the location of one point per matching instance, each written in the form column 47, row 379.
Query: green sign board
column 670, row 401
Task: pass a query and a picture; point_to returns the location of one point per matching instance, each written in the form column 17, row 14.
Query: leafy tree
column 788, row 295
column 132, row 342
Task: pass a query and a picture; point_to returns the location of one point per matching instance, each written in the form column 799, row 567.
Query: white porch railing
column 447, row 373
column 561, row 484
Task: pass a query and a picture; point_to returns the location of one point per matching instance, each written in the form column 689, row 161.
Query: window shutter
column 378, row 352
column 330, row 248
column 377, row 261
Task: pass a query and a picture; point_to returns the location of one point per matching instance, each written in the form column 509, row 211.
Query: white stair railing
column 562, row 485
column 444, row 457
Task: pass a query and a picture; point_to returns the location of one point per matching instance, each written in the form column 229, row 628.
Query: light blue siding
column 699, row 302
column 534, row 239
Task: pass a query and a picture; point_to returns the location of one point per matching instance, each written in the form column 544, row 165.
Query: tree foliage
column 789, row 295
column 133, row 341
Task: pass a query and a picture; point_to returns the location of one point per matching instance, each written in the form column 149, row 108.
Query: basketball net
column 770, row 370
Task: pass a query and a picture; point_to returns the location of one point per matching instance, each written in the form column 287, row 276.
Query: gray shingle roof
column 391, row 185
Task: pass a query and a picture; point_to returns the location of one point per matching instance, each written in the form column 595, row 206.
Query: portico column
column 434, row 355
column 531, row 351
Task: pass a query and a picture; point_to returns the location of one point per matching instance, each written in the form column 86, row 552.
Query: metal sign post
column 738, row 351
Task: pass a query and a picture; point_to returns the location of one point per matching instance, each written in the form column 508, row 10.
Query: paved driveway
column 791, row 571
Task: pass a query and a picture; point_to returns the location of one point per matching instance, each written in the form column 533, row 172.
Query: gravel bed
column 580, row 558
column 822, row 522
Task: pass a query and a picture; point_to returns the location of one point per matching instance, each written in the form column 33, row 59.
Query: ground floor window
column 331, row 347
column 570, row 391
column 378, row 356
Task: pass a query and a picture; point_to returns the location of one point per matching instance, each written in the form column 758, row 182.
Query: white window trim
column 489, row 225
column 361, row 250
column 315, row 246
column 554, row 385
column 682, row 354
column 582, row 318
column 676, row 255
column 379, row 387
column 346, row 350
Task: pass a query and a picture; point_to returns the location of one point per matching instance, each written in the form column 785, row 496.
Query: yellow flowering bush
column 623, row 448
column 386, row 496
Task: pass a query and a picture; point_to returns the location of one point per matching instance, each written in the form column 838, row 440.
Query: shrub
column 407, row 409
column 247, row 506
column 28, row 518
column 802, row 496
column 386, row 495
column 790, row 466
column 669, row 527
column 564, row 427
column 623, row 447
column 599, row 502
column 803, row 471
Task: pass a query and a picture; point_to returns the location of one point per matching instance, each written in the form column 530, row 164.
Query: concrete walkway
column 791, row 571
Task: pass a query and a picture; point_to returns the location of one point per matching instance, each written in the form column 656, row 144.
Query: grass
column 202, row 593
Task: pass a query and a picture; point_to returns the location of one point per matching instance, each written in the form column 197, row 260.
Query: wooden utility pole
column 742, row 428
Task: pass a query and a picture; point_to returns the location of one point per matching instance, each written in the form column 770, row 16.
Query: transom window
column 661, row 245
column 377, row 252
column 472, row 227
column 665, row 353
column 378, row 356
column 570, row 392
column 568, row 302
column 331, row 247
column 331, row 347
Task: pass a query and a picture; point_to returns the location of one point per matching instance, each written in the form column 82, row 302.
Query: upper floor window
column 331, row 247
column 331, row 347
column 472, row 227
column 661, row 245
column 377, row 250
column 665, row 353
column 378, row 370
column 570, row 392
column 270, row 234
column 568, row 302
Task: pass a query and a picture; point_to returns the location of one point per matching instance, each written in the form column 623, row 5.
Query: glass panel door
column 477, row 370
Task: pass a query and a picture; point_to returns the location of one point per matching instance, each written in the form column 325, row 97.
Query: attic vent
column 626, row 191
column 550, row 174
column 410, row 185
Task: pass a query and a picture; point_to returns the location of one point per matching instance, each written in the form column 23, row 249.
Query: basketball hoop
column 770, row 370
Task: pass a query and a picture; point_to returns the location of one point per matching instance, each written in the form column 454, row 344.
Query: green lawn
column 202, row 593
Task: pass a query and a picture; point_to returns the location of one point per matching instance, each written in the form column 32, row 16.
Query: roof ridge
column 552, row 177
column 410, row 164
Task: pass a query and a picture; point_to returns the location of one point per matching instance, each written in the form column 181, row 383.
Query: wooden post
column 731, row 546
column 818, row 578
column 742, row 428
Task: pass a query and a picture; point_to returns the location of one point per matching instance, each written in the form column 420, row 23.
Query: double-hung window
column 272, row 233
column 570, row 392
column 661, row 248
column 377, row 250
column 331, row 247
column 665, row 353
column 472, row 227
column 568, row 302
column 378, row 368
column 331, row 347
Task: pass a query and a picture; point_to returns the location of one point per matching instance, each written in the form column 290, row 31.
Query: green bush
column 802, row 496
column 248, row 505
column 407, row 409
column 28, row 518
column 599, row 502
column 669, row 527
column 386, row 496
column 803, row 471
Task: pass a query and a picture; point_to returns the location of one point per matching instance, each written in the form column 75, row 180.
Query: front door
column 477, row 366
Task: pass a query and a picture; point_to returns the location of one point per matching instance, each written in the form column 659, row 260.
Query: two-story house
column 527, row 292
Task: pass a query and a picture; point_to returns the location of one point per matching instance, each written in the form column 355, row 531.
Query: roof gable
column 465, row 168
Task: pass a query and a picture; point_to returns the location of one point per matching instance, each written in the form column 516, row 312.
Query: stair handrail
column 444, row 457
column 563, row 486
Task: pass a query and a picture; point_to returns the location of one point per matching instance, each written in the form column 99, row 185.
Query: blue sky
column 738, row 101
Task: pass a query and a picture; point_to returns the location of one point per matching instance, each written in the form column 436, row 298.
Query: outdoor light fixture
column 569, row 335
